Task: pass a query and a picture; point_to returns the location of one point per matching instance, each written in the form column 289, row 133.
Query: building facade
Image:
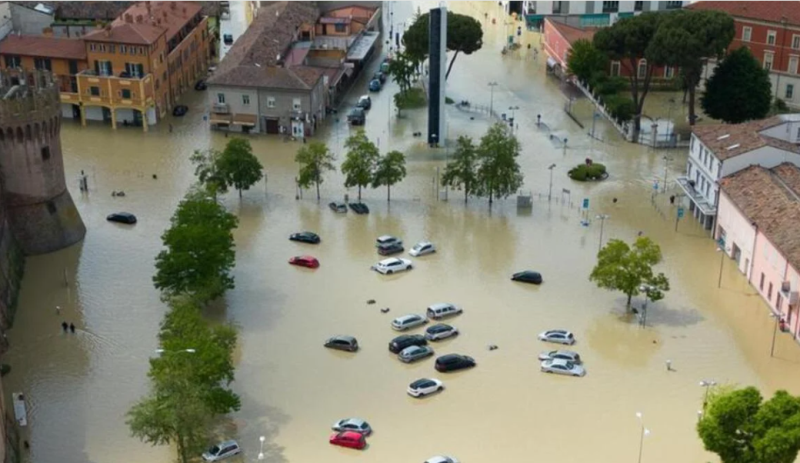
column 771, row 31
column 587, row 14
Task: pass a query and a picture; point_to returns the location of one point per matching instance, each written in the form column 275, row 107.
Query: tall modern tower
column 437, row 52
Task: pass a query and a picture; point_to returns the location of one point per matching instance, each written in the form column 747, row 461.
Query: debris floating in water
column 371, row 301
column 492, row 347
column 386, row 310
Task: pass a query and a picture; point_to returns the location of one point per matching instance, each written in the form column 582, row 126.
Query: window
column 789, row 91
column 102, row 48
column 43, row 64
column 126, row 93
column 778, row 302
column 141, row 50
column 669, row 72
column 642, row 70
column 768, row 57
column 92, row 47
column 340, row 28
column 747, row 33
column 792, row 68
column 610, row 7
column 557, row 7
column 132, row 50
column 615, row 66
column 638, row 6
column 94, row 91
column 761, row 283
column 769, row 291
column 796, row 42
column 13, row 61
column 245, row 99
column 103, row 68
column 123, row 49
column 45, row 153
column 798, row 135
column 674, row 5
column 221, row 98
column 270, row 102
column 771, row 37
column 111, row 48
column 296, row 104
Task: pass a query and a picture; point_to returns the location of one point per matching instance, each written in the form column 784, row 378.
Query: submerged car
column 338, row 207
column 425, row 386
column 305, row 237
column 440, row 331
column 345, row 343
column 441, row 459
column 401, row 342
column 406, row 322
column 569, row 355
column 528, row 276
column 122, row 217
column 227, row 39
column 305, row 261
column 557, row 336
column 364, row 102
column 375, row 85
column 563, row 367
column 390, row 249
column 222, row 450
column 379, row 76
column 180, row 110
column 348, row 439
column 359, row 208
column 414, row 353
column 443, row 310
column 357, row 116
column 387, row 239
column 353, row 424
column 453, row 362
column 422, row 248
column 200, row 85
column 392, row 265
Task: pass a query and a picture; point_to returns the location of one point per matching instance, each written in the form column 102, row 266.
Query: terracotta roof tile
column 771, row 199
column 730, row 140
column 157, row 18
column 43, row 47
column 572, row 34
column 764, row 11
column 89, row 10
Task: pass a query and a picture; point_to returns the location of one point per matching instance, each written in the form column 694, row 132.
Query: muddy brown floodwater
column 80, row 386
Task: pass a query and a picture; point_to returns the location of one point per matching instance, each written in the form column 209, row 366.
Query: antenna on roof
column 733, row 147
column 722, row 137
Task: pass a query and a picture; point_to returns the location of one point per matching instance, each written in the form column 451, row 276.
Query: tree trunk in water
column 240, row 193
column 318, row 191
column 692, row 91
column 388, row 193
column 466, row 194
column 450, row 67
column 359, row 193
column 629, row 301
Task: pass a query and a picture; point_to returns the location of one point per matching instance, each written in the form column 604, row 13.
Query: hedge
column 584, row 172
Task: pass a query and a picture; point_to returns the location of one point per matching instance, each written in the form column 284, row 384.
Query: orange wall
column 188, row 61
column 60, row 68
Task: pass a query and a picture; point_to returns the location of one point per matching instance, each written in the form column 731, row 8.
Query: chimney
column 128, row 18
column 139, row 19
column 47, row 32
column 149, row 9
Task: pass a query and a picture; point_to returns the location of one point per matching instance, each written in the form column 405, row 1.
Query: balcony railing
column 696, row 197
column 121, row 75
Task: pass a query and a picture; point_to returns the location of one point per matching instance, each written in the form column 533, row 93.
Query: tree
column 739, row 90
column 238, row 166
column 686, row 39
column 199, row 250
column 401, row 68
column 464, row 35
column 314, row 159
column 624, row 268
column 627, row 41
column 585, row 60
column 362, row 155
column 390, row 169
column 742, row 428
column 498, row 173
column 462, row 170
column 207, row 170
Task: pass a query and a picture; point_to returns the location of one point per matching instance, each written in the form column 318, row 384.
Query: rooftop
column 356, row 13
column 361, row 47
column 572, row 34
column 144, row 22
column 730, row 140
column 764, row 11
column 771, row 199
column 89, row 10
column 256, row 58
column 43, row 47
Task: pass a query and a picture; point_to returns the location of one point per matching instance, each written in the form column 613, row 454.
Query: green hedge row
column 584, row 172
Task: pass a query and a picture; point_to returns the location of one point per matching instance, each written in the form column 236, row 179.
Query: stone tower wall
column 41, row 213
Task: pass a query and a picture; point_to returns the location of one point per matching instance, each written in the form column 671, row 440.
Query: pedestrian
column 72, row 327
column 64, row 326
column 58, row 310
column 672, row 199
column 614, row 200
column 640, row 233
column 669, row 365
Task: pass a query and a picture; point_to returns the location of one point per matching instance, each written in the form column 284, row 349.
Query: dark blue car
column 375, row 85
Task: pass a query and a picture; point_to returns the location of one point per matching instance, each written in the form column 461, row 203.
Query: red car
column 305, row 261
column 350, row 439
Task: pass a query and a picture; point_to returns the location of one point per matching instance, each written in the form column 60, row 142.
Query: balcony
column 696, row 197
column 220, row 108
column 791, row 297
column 122, row 75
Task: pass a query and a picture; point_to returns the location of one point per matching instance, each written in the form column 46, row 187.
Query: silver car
column 561, row 355
column 440, row 331
column 414, row 353
column 422, row 248
column 441, row 459
column 406, row 322
column 557, row 336
column 222, row 450
column 562, row 367
column 352, row 424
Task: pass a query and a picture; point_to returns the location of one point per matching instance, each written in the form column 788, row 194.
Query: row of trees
column 363, row 165
column 190, row 379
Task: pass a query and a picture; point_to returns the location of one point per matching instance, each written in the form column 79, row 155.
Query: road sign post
column 678, row 217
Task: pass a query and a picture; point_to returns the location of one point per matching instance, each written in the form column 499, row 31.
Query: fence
column 623, row 128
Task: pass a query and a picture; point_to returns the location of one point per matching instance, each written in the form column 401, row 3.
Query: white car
column 392, row 265
column 562, row 367
column 406, row 322
column 422, row 248
column 425, row 386
column 386, row 240
column 440, row 331
column 561, row 355
column 441, row 459
column 557, row 336
column 222, row 450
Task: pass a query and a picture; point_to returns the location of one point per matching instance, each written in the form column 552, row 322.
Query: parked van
column 442, row 310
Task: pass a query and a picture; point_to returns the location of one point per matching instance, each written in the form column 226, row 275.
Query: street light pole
column 602, row 218
column 646, row 290
column 513, row 110
column 708, row 384
column 492, row 85
column 774, row 334
column 261, row 450
column 644, row 432
column 550, row 191
column 667, row 160
column 721, row 261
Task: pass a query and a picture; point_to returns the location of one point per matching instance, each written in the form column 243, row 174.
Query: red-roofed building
column 771, row 30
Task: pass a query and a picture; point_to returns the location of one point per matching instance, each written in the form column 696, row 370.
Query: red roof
column 572, row 34
column 143, row 23
column 765, row 11
column 43, row 47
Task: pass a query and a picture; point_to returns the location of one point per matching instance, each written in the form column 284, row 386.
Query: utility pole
column 602, row 218
column 550, row 191
column 492, row 85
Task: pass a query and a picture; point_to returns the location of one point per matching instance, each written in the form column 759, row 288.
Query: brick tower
column 41, row 214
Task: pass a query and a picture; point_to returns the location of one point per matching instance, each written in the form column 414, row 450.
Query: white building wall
column 789, row 131
column 235, row 98
column 66, row 110
column 704, row 168
column 6, row 24
column 766, row 156
column 545, row 7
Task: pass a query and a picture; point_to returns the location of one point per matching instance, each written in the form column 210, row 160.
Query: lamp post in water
column 550, row 191
column 261, row 450
column 708, row 384
column 602, row 218
column 492, row 85
column 644, row 432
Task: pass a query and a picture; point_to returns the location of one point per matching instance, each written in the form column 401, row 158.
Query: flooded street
column 80, row 386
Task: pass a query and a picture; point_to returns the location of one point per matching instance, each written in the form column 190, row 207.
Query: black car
column 345, row 343
column 401, row 342
column 359, row 208
column 453, row 362
column 305, row 237
column 227, row 39
column 390, row 249
column 180, row 110
column 122, row 217
column 200, row 85
column 528, row 276
column 338, row 207
column 357, row 116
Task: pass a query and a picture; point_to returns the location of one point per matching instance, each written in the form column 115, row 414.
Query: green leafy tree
column 462, row 169
column 624, row 268
column 402, row 68
column 498, row 174
column 390, row 169
column 739, row 90
column 464, row 35
column 315, row 159
column 238, row 166
column 686, row 39
column 199, row 250
column 585, row 60
column 741, row 427
column 206, row 169
column 627, row 41
column 359, row 163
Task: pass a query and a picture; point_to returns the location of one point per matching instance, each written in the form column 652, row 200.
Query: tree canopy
column 624, row 268
column 462, row 169
column 585, row 60
column 402, row 69
column 238, row 166
column 739, row 90
column 359, row 163
column 390, row 169
column 498, row 174
column 206, row 169
column 315, row 159
column 741, row 427
column 464, row 35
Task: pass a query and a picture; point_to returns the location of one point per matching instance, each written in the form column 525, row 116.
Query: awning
column 551, row 62
column 220, row 119
column 245, row 119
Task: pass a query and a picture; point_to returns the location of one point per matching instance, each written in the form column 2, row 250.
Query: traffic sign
column 680, row 212
column 586, row 203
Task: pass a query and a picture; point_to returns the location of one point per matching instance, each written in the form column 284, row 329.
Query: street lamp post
column 667, row 160
column 261, row 449
column 513, row 110
column 644, row 432
column 492, row 85
column 774, row 333
column 708, row 384
column 721, row 262
column 595, row 115
column 602, row 218
column 550, row 191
